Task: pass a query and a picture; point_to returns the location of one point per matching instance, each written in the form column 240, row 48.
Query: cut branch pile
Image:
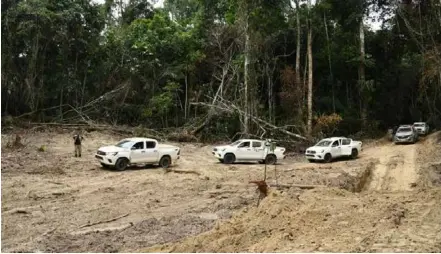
column 226, row 106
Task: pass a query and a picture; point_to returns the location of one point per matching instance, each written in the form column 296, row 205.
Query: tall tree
column 310, row 74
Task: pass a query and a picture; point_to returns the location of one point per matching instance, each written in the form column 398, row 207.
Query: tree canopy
column 223, row 67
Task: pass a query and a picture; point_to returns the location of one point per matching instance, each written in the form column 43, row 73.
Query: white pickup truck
column 132, row 151
column 263, row 151
column 331, row 148
column 421, row 128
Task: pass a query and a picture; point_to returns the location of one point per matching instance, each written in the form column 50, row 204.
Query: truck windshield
column 324, row 143
column 235, row 143
column 419, row 125
column 405, row 129
column 125, row 144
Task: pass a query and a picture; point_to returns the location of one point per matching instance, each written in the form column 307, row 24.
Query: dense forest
column 218, row 68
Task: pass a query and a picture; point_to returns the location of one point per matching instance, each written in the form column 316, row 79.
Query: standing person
column 77, row 142
column 395, row 129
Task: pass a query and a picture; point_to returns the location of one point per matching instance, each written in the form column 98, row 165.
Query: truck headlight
column 224, row 149
column 115, row 153
column 322, row 151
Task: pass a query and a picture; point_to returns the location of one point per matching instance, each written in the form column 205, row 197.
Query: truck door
column 152, row 153
column 346, row 147
column 336, row 149
column 257, row 151
column 243, row 150
column 137, row 152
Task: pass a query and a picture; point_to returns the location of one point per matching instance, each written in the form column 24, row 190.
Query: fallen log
column 300, row 186
column 98, row 230
column 183, row 171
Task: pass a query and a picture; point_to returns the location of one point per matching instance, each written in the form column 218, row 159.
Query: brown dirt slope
column 399, row 210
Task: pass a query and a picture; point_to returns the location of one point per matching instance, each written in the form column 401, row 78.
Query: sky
column 160, row 3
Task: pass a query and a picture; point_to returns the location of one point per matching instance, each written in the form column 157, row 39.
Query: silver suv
column 406, row 134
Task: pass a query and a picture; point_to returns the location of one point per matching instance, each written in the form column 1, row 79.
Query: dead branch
column 49, row 231
column 39, row 110
column 227, row 106
column 104, row 221
column 65, row 124
column 184, row 171
column 300, row 186
column 89, row 127
column 120, row 228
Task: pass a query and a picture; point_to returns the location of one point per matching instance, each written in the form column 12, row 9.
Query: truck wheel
column 270, row 159
column 121, row 164
column 328, row 158
column 354, row 153
column 165, row 161
column 229, row 158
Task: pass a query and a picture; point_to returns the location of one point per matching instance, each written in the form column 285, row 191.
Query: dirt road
column 54, row 202
column 397, row 169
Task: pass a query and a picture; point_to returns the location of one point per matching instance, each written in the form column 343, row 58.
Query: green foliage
column 68, row 59
column 163, row 102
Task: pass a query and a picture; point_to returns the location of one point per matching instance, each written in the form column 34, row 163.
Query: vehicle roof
column 334, row 138
column 419, row 122
column 405, row 126
column 138, row 139
column 247, row 139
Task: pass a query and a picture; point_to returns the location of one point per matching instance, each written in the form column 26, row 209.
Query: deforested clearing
column 54, row 202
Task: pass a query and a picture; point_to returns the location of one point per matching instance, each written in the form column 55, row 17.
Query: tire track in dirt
column 396, row 170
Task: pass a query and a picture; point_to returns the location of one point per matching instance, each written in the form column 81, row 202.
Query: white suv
column 137, row 151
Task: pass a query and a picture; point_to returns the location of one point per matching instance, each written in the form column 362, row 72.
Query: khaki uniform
column 77, row 150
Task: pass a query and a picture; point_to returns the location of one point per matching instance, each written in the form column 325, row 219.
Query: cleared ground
column 387, row 200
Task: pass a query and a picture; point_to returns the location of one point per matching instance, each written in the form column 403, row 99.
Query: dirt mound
column 319, row 220
column 430, row 160
column 385, row 214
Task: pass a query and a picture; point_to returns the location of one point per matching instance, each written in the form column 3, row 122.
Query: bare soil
column 386, row 200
